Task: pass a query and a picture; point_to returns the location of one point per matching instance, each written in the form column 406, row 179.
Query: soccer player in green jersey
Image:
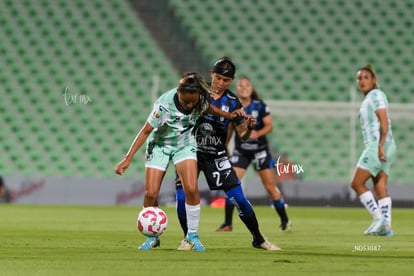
column 378, row 155
column 168, row 132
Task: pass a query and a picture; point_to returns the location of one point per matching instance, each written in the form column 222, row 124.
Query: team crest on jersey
column 225, row 108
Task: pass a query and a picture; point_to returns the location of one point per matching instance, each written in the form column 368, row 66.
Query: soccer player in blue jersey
column 168, row 132
column 212, row 135
column 378, row 155
column 255, row 150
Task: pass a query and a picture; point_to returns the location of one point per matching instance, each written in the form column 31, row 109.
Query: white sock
column 367, row 199
column 385, row 207
column 193, row 217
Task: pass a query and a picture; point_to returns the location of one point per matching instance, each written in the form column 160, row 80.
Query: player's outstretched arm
column 139, row 140
column 228, row 115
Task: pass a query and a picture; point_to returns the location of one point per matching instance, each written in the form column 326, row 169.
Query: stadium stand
column 77, row 80
column 77, row 75
column 310, row 51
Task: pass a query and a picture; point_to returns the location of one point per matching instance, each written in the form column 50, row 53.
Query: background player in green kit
column 168, row 132
column 378, row 155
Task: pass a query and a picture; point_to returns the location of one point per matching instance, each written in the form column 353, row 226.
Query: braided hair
column 192, row 82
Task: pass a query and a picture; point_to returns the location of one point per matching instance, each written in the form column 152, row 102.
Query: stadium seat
column 301, row 52
column 97, row 49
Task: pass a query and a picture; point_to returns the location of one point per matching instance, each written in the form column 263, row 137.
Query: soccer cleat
column 286, row 226
column 185, row 245
column 224, row 228
column 384, row 230
column 375, row 227
column 266, row 245
column 192, row 242
column 150, row 243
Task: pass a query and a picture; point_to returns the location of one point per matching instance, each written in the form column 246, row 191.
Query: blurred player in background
column 378, row 155
column 255, row 150
column 212, row 135
column 4, row 192
column 168, row 132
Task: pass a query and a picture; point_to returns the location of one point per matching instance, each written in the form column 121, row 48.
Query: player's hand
column 236, row 113
column 121, row 167
column 251, row 121
column 381, row 155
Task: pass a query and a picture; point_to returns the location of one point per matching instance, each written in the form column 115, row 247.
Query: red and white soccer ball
column 152, row 221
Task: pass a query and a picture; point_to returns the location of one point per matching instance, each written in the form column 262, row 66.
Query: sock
column 385, row 207
column 228, row 212
column 280, row 209
column 193, row 217
column 246, row 212
column 181, row 212
column 368, row 200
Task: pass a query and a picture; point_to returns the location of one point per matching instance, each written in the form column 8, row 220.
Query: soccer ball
column 152, row 221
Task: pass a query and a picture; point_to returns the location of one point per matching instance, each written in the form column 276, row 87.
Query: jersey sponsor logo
column 222, row 163
column 255, row 113
column 260, row 155
column 248, row 146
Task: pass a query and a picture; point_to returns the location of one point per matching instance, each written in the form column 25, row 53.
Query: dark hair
column 254, row 95
column 225, row 66
column 192, row 82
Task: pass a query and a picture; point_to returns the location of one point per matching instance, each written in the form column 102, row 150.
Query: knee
column 151, row 197
column 191, row 194
column 356, row 185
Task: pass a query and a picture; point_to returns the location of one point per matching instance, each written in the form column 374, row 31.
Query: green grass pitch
column 90, row 240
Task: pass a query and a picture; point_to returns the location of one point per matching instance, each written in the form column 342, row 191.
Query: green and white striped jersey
column 370, row 125
column 172, row 126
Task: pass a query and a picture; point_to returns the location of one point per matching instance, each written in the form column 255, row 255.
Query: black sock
column 281, row 210
column 253, row 226
column 228, row 212
column 183, row 223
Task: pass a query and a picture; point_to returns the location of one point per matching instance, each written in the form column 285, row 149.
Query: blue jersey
column 258, row 109
column 211, row 131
